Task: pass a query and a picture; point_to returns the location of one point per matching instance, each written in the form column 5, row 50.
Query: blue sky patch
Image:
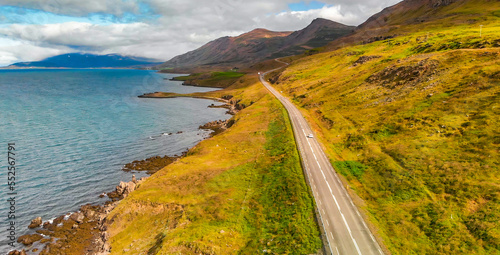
column 305, row 6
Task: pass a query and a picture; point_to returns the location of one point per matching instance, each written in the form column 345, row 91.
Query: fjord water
column 74, row 129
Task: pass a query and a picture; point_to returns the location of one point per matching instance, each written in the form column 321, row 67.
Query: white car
column 310, row 136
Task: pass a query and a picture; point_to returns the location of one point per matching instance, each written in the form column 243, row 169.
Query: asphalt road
column 345, row 229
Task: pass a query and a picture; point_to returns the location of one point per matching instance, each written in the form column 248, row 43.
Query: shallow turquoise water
column 75, row 129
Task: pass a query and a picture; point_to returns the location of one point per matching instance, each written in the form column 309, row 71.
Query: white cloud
column 14, row 51
column 182, row 25
column 81, row 34
column 138, row 39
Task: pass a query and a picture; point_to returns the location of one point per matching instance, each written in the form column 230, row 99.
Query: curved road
column 345, row 229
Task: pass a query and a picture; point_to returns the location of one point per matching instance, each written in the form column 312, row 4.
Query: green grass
column 349, row 168
column 211, row 79
column 289, row 222
column 226, row 75
column 185, row 77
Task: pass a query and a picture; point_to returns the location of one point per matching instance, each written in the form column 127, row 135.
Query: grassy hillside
column 239, row 192
column 412, row 123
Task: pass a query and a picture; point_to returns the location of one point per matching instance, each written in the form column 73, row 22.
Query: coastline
column 71, row 68
column 192, row 82
column 232, row 105
column 84, row 231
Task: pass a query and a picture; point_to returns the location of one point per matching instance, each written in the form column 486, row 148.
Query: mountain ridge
column 409, row 16
column 260, row 44
column 86, row 60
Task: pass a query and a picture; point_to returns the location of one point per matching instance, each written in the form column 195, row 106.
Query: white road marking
column 336, row 202
column 350, row 233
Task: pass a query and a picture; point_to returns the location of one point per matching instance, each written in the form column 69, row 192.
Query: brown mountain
column 317, row 34
column 260, row 44
column 405, row 12
column 228, row 50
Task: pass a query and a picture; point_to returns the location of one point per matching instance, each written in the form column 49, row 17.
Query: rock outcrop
column 29, row 239
column 395, row 76
column 125, row 188
column 151, row 165
column 217, row 126
column 35, row 223
column 22, row 252
column 77, row 217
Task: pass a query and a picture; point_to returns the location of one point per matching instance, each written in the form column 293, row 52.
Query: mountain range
column 249, row 48
column 260, row 44
column 81, row 60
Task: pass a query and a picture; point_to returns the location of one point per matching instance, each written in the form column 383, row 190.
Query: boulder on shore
column 77, row 217
column 35, row 223
column 125, row 188
column 22, row 252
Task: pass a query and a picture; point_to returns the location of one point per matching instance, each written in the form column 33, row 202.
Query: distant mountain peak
column 260, row 30
column 321, row 21
column 326, row 22
column 262, row 33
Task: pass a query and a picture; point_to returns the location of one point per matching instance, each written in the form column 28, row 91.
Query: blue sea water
column 74, row 130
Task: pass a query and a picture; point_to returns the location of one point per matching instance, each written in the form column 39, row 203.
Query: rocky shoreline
column 230, row 103
column 151, row 165
column 81, row 232
column 217, row 126
column 84, row 231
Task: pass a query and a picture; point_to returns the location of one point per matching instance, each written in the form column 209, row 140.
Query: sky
column 31, row 30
